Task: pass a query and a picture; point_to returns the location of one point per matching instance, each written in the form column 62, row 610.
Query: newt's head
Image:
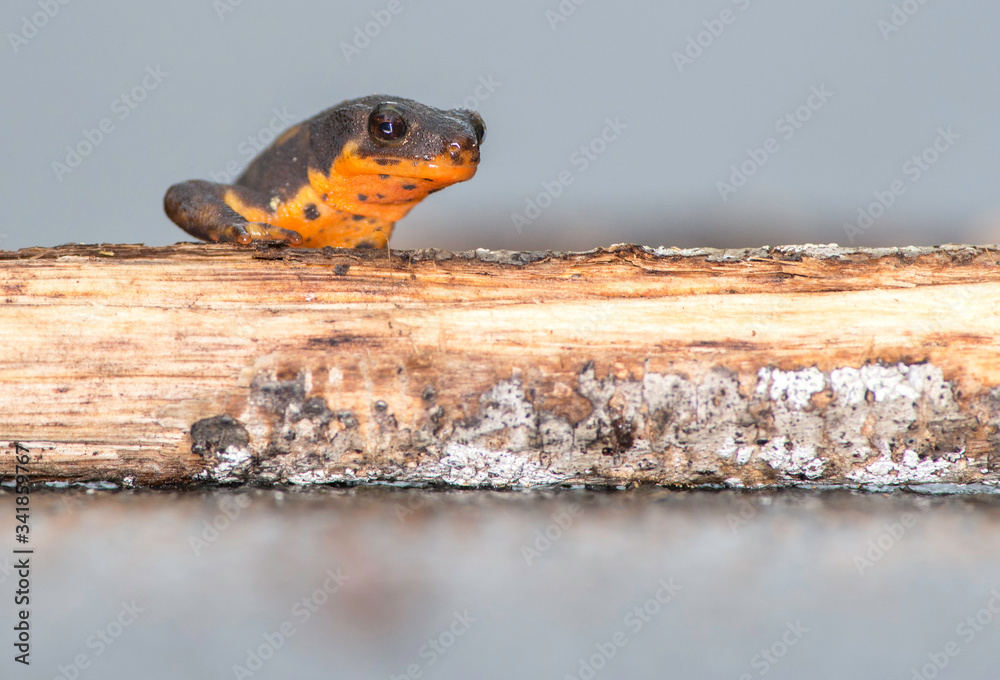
column 381, row 155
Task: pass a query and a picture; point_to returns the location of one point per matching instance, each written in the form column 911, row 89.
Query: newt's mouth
column 456, row 165
column 387, row 188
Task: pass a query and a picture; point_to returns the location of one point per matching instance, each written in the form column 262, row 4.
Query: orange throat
column 386, row 188
column 357, row 203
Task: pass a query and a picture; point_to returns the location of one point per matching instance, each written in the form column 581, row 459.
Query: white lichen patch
column 503, row 408
column 464, row 465
column 792, row 459
column 911, row 470
column 314, row 477
column 231, row 467
column 792, row 388
column 875, row 424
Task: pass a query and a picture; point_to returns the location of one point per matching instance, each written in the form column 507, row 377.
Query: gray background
column 655, row 184
column 748, row 566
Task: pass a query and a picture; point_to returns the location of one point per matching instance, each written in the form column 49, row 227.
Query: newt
column 342, row 178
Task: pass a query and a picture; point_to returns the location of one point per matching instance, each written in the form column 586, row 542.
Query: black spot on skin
column 428, row 179
column 310, row 212
column 458, row 160
column 409, row 187
column 362, row 197
column 379, row 196
column 383, row 176
column 434, row 191
column 387, row 161
column 357, row 218
column 323, row 197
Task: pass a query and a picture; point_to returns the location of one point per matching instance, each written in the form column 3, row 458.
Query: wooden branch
column 774, row 366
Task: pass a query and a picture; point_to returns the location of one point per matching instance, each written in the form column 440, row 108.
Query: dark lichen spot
column 381, row 406
column 316, row 408
column 276, row 395
column 310, row 211
column 341, row 269
column 347, row 419
column 623, row 434
column 214, row 435
column 428, row 394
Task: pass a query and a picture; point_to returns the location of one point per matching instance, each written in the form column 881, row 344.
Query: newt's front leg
column 201, row 209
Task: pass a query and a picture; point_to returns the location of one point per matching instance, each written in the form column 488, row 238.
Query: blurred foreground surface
column 416, row 584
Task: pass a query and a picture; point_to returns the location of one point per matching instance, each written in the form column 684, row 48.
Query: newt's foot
column 259, row 231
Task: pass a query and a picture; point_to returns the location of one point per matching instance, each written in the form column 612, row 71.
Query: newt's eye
column 386, row 124
column 478, row 126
